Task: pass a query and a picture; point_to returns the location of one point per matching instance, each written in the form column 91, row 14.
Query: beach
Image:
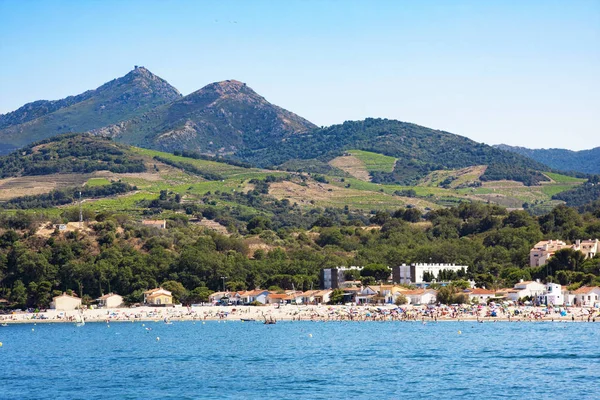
column 274, row 313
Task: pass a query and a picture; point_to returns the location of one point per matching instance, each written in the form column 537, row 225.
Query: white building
column 587, row 296
column 65, row 302
column 110, row 300
column 251, row 296
column 413, row 273
column 522, row 289
column 420, row 296
column 553, row 295
column 479, row 295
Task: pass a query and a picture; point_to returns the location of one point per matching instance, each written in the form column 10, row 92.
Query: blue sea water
column 301, row 360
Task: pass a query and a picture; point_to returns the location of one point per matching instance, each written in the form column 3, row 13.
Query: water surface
column 301, row 360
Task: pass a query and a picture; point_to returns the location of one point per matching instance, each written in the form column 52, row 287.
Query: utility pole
column 224, row 277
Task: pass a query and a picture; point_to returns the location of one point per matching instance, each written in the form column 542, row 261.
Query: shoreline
column 315, row 313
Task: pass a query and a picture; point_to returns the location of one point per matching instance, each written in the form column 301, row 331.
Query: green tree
column 18, row 295
column 177, row 290
column 379, row 272
column 336, row 297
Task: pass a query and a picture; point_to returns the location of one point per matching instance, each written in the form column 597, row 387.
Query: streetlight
column 223, row 277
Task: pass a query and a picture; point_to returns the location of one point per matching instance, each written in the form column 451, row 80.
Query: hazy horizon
column 522, row 74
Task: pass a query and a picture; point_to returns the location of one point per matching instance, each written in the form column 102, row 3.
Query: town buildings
column 544, row 250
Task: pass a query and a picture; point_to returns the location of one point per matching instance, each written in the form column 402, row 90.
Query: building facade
column 334, row 278
column 65, row 302
column 414, row 273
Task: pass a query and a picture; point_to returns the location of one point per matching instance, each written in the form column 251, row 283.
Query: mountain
column 418, row 150
column 118, row 100
column 221, row 118
column 586, row 161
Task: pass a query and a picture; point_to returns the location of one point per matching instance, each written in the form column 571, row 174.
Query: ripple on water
column 345, row 360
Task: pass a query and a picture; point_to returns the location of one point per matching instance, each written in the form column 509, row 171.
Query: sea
column 301, row 360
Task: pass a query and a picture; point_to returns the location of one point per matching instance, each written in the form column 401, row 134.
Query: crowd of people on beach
column 425, row 313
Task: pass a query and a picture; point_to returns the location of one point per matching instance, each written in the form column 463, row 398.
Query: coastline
column 316, row 313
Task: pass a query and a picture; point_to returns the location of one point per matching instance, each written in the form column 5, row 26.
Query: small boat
column 248, row 320
column 80, row 321
column 5, row 324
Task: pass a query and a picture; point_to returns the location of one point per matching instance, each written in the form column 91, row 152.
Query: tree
column 336, row 297
column 379, row 272
column 199, row 295
column 401, row 300
column 18, row 295
column 177, row 290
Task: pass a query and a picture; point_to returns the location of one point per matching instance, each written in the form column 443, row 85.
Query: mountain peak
column 222, row 88
column 120, row 99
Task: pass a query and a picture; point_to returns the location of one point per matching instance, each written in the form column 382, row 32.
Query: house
column 217, row 297
column 308, row 297
column 420, row 296
column 250, row 296
column 158, row 297
column 366, row 295
column 522, row 289
column 65, row 302
column 552, row 296
column 322, row 296
column 587, row 296
column 479, row 295
column 155, row 223
column 278, row 298
column 589, row 248
column 110, row 300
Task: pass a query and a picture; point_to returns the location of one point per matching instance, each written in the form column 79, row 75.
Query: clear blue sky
column 517, row 72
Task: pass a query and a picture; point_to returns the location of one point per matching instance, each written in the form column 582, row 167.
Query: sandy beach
column 310, row 313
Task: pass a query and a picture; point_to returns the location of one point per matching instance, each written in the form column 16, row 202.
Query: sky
column 524, row 73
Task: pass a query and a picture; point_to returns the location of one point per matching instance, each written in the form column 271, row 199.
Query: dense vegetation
column 584, row 161
column 70, row 154
column 419, row 150
column 123, row 256
column 61, row 197
column 582, row 194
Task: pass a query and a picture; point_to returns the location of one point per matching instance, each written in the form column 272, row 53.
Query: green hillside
column 61, row 164
column 418, row 151
column 583, row 161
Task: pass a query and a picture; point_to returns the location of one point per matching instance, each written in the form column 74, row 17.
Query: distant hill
column 117, row 100
column 418, row 150
column 221, row 118
column 70, row 153
column 586, row 161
